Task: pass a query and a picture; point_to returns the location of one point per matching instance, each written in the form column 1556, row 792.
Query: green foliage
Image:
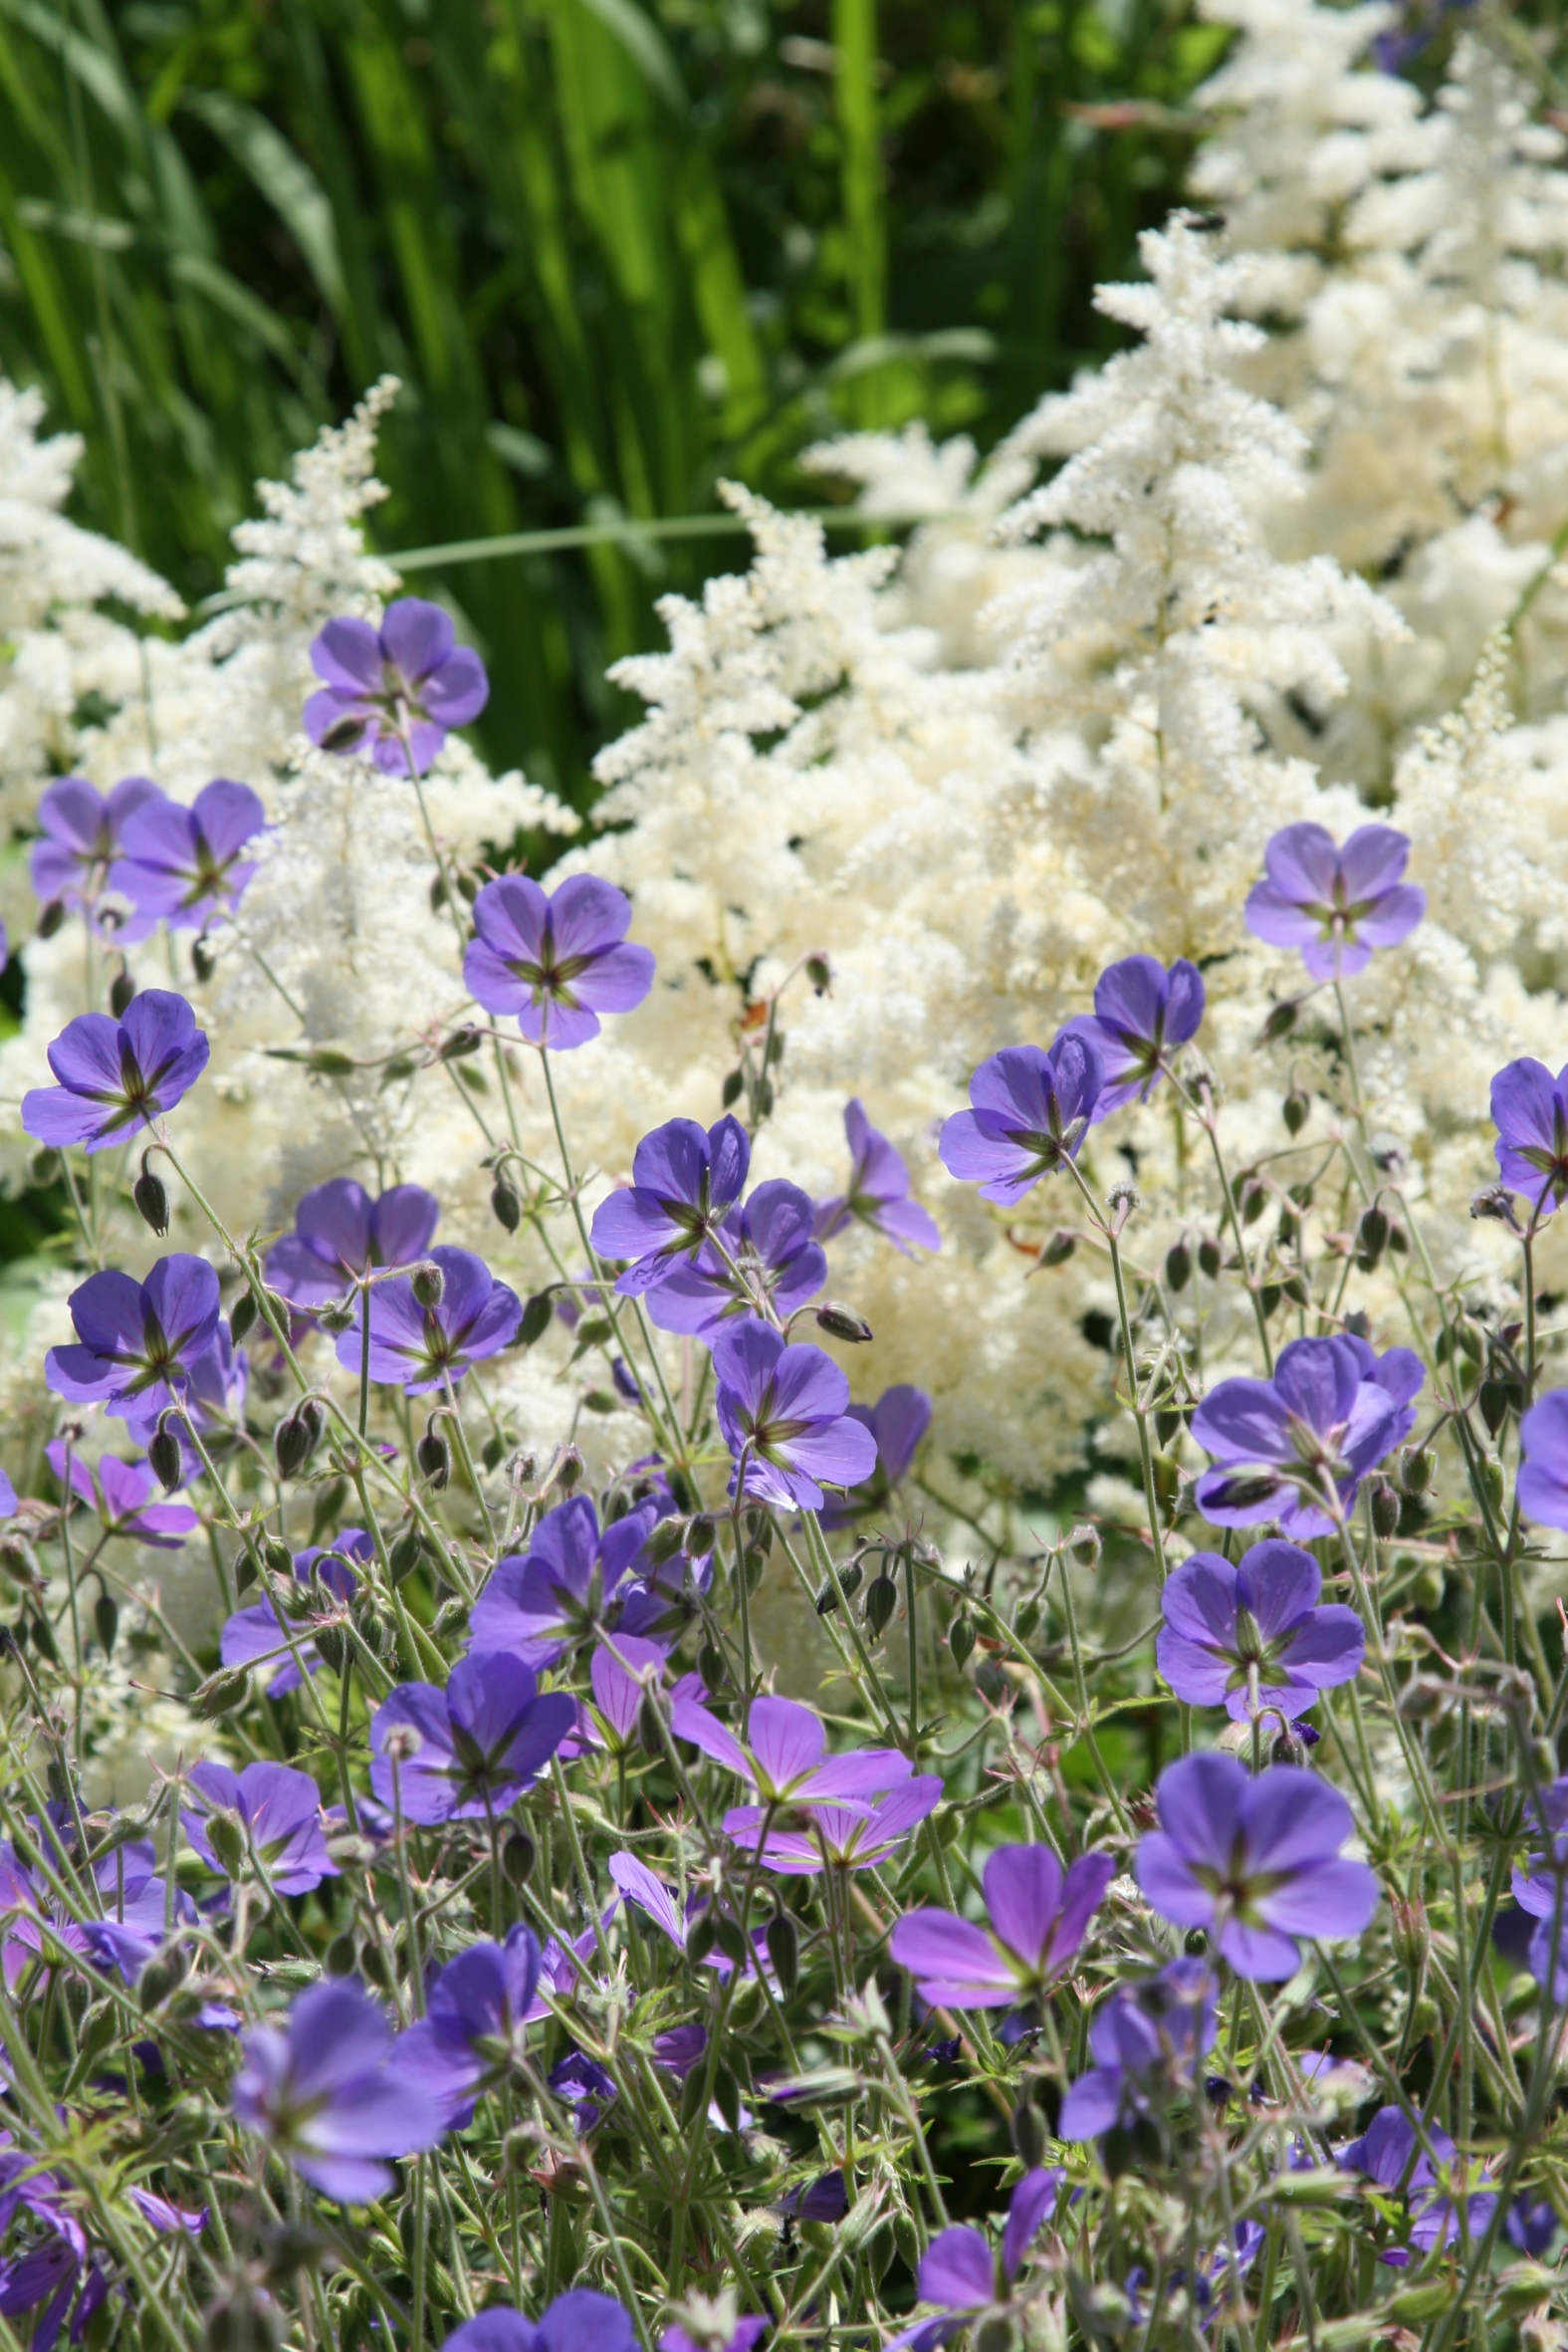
column 613, row 254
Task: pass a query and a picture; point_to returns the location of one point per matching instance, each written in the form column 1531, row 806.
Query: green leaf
column 283, row 178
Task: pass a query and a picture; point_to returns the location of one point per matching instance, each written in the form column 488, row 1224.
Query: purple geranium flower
column 783, row 1757
column 537, row 1603
column 1141, row 1011
column 620, row 1674
column 684, row 1181
column 1530, row 1109
column 898, row 1422
column 1146, row 2042
column 845, row 1837
column 340, row 1233
column 475, row 2022
column 1427, row 2167
column 1257, row 1861
column 280, row 1811
column 1252, row 1637
column 423, row 1347
column 405, row 678
column 264, row 1633
column 784, row 1414
column 878, row 1192
column 321, row 2092
column 1336, row 906
column 959, row 2270
column 823, row 2199
column 139, row 1343
column 578, row 2321
column 1543, row 1472
column 1036, row 1916
column 1032, row 1112
column 557, row 960
column 477, row 1744
column 81, row 833
column 1295, row 1448
column 117, row 1076
column 7, row 1497
column 119, row 1492
column 763, row 1261
column 184, row 864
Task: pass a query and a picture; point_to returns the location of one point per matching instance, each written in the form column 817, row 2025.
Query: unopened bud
column 840, row 1323
column 151, row 1199
column 337, row 1317
column 433, row 1455
column 701, row 1534
column 345, row 733
column 241, row 1316
column 1059, row 1249
column 202, row 960
column 506, row 1202
column 1295, row 1111
column 538, row 1315
column 1028, row 2133
column 1209, row 1259
column 121, row 993
column 105, row 1622
column 1385, row 1510
column 702, row 1937
column 849, row 1578
column 961, row 1637
column 710, row 1665
column 880, row 1601
column 819, row 972
column 569, row 1467
column 1417, row 1470
column 1411, row 1936
column 1288, row 1749
column 784, row 1950
column 428, row 1284
column 1372, row 1235
column 1492, row 1482
column 1252, row 1199
column 1085, row 1546
column 1281, row 1021
column 517, row 1857
column 165, row 1458
column 298, row 1435
column 226, row 1836
column 1492, row 1398
column 1179, row 1265
column 221, row 1692
column 49, row 920
column 665, row 1538
column 278, row 1556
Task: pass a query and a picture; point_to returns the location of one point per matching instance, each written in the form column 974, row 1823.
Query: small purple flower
column 823, row 2199
column 1141, row 1011
column 878, row 1193
column 117, row 1076
column 556, row 959
column 264, row 1634
column 844, row 1838
column 1336, row 906
column 475, row 2022
column 578, row 2321
column 763, row 1262
column 280, row 1811
column 1530, row 1109
column 684, row 1182
column 476, row 1745
column 321, row 2092
column 1259, row 1863
column 407, row 677
column 1427, row 2168
column 581, row 2083
column 539, row 1603
column 419, row 1349
column 784, row 1414
column 119, row 1493
column 1296, row 1447
column 1252, row 1637
column 1036, row 1917
column 786, row 1757
column 898, row 1422
column 1147, row 2042
column 1030, row 1113
column 1543, row 1472
column 340, row 1233
column 960, row 2273
column 621, row 1672
column 137, row 1343
column 81, row 829
column 184, row 864
column 1532, row 2226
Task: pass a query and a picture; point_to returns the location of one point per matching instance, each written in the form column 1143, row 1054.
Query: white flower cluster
column 970, row 776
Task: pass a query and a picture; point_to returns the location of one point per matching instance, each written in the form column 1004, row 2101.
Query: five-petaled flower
column 79, row 832
column 556, row 959
column 959, row 2272
column 537, row 1604
column 1146, row 2042
column 1257, row 1862
column 1530, row 1109
column 1141, row 1011
column 137, row 1344
column 266, row 1634
column 184, row 864
column 1335, row 904
column 762, row 1262
column 117, row 1076
column 1036, row 1916
column 321, row 2090
column 396, row 691
column 878, row 1193
column 1031, row 1110
column 841, row 1837
column 577, row 2321
column 121, row 1495
column 1427, row 2168
column 898, row 1422
column 475, row 2022
column 340, row 1233
column 1296, row 1447
column 783, row 1755
column 467, row 1752
column 422, row 1347
column 784, row 1413
column 278, row 1810
column 1253, row 1637
column 684, row 1182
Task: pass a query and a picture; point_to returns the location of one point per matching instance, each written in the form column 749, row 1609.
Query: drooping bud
column 1492, row 1398
column 339, row 1316
column 1252, row 1199
column 1209, row 1258
column 700, row 1535
column 151, row 1199
column 840, row 1323
column 165, row 1457
column 1372, row 1237
column 506, row 1202
column 221, row 1692
column 784, row 1950
column 537, row 1312
column 278, row 1556
column 665, row 1538
column 1085, row 1546
column 710, row 1665
column 428, row 1284
column 403, row 1556
column 819, row 972
column 1281, row 1021
column 1288, row 1749
column 242, row 1314
column 1416, row 1469
column 1295, row 1111
column 702, row 1937
column 1059, row 1249
column 298, row 1435
column 121, row 993
column 517, row 1857
column 226, row 1836
column 433, row 1455
column 202, row 960
column 1384, row 1510
column 961, row 1637
column 1028, row 2132
column 849, row 1580
column 569, row 1467
column 880, row 1601
column 1179, row 1264
column 51, row 918
column 105, row 1622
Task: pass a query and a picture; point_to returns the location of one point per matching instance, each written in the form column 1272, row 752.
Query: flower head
column 1530, row 1109
column 684, row 1181
column 960, row 2273
column 421, row 1347
column 878, row 1193
column 266, row 1633
column 783, row 1412
column 79, row 832
column 117, row 1076
column 763, row 1262
column 1146, row 2042
column 184, row 864
column 405, row 678
column 844, row 1837
column 475, row 2020
column 1036, row 1916
column 620, row 1674
column 1336, row 906
column 783, row 1755
column 137, row 1344
column 1030, row 1113
column 477, row 1745
column 1426, row 2168
column 578, row 2321
column 1257, row 1862
column 320, row 2091
column 120, row 1493
column 898, row 1422
column 280, row 1812
column 537, row 1603
column 340, row 1233
column 1253, row 1636
column 556, row 959
column 1295, row 1448
column 1141, row 1011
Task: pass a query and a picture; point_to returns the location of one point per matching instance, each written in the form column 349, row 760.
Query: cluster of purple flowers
column 132, row 858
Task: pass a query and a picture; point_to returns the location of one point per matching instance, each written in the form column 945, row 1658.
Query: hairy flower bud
column 151, row 1199
column 226, row 1836
column 1209, row 1258
column 880, row 1601
column 165, row 1457
column 961, row 1637
column 517, row 1857
column 665, row 1538
column 1372, row 1236
column 1179, row 1264
column 298, row 1435
column 1384, row 1510
column 1028, row 2132
column 569, row 1467
column 1085, row 1546
column 784, row 1950
column 1295, row 1111
column 841, row 1323
column 428, row 1284
column 433, row 1455
column 1252, row 1199
column 1059, row 1249
column 711, row 1666
column 1492, row 1398
column 538, row 1315
column 121, row 993
column 849, row 1578
column 221, row 1692
column 700, row 1535
column 1416, row 1469
column 105, row 1622
column 506, row 1202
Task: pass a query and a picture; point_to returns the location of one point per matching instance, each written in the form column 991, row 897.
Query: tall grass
column 614, row 251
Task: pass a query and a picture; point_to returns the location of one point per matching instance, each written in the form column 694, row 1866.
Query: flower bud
column 339, row 1316
column 1281, row 1021
column 1028, row 2133
column 298, row 1435
column 569, row 1469
column 1493, row 1484
column 1085, row 1546
column 51, row 918
column 840, row 1323
column 784, row 1950
column 1411, row 1938
column 241, row 1316
column 1384, row 1510
column 819, row 972
column 700, row 1535
column 1252, row 1199
column 1295, row 1111
column 517, row 1857
column 730, row 1942
column 702, row 1937
column 1492, row 1398
column 226, row 1836
column 433, row 1455
column 1026, row 1620
column 333, row 1644
column 105, row 1622
column 1059, row 1249
column 1209, row 1259
column 880, row 1601
column 151, row 1199
column 727, row 2097
column 121, row 993
column 1288, row 1749
column 710, row 1665
column 506, row 1202
column 428, row 1284
column 1372, row 1235
column 461, row 1044
column 202, row 960
column 1179, row 1264
column 221, row 1692
column 849, row 1577
column 278, row 1556
column 961, row 1637
column 165, row 1458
